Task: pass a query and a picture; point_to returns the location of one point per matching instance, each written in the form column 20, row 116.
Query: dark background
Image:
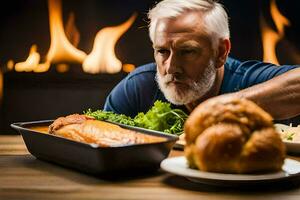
column 31, row 96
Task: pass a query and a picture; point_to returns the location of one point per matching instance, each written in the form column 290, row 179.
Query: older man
column 191, row 46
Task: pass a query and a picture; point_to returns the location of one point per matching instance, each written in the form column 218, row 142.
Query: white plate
column 178, row 166
column 291, row 147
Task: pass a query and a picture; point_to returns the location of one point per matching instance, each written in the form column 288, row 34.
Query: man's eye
column 187, row 51
column 162, row 51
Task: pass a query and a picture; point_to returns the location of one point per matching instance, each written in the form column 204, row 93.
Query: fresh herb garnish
column 290, row 136
column 161, row 117
column 110, row 116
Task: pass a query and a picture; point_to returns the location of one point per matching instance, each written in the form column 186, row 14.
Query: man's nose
column 173, row 64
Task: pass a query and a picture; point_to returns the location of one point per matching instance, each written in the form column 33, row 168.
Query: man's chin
column 177, row 96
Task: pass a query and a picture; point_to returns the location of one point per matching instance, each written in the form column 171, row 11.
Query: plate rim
column 210, row 176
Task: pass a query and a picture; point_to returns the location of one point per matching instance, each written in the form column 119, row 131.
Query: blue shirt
column 139, row 90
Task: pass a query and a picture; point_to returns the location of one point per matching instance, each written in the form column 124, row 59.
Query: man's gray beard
column 197, row 88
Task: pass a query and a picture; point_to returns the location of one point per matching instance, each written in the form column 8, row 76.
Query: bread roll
column 231, row 135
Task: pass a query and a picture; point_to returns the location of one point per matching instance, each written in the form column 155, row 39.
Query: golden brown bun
column 231, row 135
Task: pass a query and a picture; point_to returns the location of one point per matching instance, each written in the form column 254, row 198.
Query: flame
column 270, row 37
column 128, row 67
column 10, row 65
column 62, row 68
column 72, row 32
column 31, row 62
column 61, row 50
column 42, row 67
column 63, row 46
column 103, row 58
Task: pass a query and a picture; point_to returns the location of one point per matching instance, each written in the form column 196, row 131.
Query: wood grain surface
column 22, row 176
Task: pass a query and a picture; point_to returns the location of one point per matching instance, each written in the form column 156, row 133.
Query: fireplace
column 34, row 88
column 53, row 86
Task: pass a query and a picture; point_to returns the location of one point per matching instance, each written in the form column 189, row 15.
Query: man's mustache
column 171, row 78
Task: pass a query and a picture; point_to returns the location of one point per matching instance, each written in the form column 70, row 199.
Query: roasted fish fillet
column 86, row 129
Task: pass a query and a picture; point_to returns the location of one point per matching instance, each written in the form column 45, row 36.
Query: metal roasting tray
column 92, row 159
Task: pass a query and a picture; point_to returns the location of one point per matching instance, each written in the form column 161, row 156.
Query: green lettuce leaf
column 161, row 117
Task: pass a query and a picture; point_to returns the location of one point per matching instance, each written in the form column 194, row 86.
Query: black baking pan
column 92, row 159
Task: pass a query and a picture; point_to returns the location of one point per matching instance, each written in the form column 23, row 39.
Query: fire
column 128, row 67
column 72, row 32
column 61, row 50
column 10, row 65
column 270, row 37
column 31, row 62
column 103, row 58
column 63, row 46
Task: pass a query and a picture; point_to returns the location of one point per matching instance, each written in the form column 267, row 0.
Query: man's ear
column 222, row 52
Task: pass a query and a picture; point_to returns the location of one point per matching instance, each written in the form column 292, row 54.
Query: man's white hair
column 215, row 18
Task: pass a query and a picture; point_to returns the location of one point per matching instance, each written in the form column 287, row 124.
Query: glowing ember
column 10, row 65
column 270, row 37
column 128, row 67
column 62, row 68
column 103, row 58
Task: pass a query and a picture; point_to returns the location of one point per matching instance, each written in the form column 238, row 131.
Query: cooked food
column 231, row 135
column 161, row 117
column 289, row 133
column 41, row 129
column 86, row 129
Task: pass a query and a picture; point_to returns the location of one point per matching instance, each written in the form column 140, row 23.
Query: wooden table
column 22, row 176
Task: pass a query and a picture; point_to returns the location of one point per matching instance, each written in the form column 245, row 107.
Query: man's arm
column 279, row 96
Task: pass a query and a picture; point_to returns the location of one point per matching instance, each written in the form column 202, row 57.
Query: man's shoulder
column 242, row 74
column 134, row 94
column 233, row 65
column 147, row 69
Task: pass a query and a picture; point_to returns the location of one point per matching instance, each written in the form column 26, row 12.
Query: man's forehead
column 181, row 39
column 185, row 27
column 187, row 22
column 177, row 42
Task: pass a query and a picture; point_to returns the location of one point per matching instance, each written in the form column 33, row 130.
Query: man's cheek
column 160, row 71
